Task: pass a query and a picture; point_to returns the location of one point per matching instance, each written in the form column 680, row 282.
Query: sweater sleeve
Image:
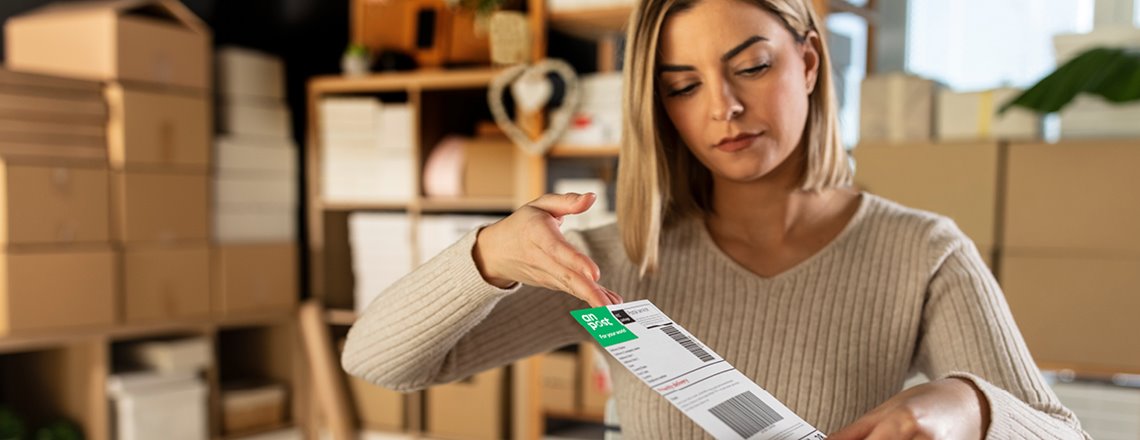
column 443, row 322
column 969, row 333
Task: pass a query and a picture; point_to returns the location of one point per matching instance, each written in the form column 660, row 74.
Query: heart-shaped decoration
column 533, row 93
column 531, row 90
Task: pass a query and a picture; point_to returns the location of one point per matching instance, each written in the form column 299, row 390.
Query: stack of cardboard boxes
column 154, row 59
column 255, row 188
column 1071, row 260
column 54, row 215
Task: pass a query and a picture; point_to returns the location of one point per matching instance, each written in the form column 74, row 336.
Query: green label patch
column 603, row 326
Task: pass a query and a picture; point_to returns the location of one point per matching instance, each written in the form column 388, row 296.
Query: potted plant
column 1111, row 73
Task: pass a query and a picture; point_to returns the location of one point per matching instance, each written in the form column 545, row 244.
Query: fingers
column 559, row 205
column 855, row 431
column 575, row 283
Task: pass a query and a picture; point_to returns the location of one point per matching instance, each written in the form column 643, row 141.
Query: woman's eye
column 683, row 91
column 753, row 70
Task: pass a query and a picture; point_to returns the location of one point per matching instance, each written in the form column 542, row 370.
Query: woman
column 736, row 218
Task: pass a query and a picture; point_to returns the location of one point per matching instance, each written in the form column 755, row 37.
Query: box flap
column 165, row 10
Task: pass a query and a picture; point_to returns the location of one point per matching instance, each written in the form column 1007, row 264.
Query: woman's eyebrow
column 724, row 58
column 740, row 47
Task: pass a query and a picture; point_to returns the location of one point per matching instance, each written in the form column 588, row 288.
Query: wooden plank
column 575, row 151
column 325, row 372
column 592, row 23
column 424, row 79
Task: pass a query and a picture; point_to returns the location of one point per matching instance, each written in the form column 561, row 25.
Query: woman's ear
column 811, row 55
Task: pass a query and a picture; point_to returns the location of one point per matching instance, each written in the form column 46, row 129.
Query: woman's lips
column 737, row 143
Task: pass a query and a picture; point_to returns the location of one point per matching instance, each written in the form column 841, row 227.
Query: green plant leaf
column 1112, row 73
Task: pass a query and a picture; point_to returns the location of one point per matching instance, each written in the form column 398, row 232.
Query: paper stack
column 597, row 122
column 381, row 246
column 164, row 395
column 366, row 150
column 255, row 187
column 896, row 107
column 438, row 232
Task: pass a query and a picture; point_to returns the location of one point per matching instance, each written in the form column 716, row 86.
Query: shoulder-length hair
column 659, row 180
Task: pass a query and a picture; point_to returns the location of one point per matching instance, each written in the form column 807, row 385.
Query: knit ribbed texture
column 898, row 291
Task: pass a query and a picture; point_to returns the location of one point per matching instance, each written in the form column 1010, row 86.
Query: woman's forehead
column 715, row 25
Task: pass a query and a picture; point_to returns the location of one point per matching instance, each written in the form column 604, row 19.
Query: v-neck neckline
column 865, row 200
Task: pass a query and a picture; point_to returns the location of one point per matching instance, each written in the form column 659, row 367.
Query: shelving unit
column 65, row 371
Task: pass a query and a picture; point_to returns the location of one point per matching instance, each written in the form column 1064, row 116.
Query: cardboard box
column 39, row 84
column 250, row 155
column 172, row 356
column 559, row 382
column 251, row 117
column 594, row 384
column 248, row 409
column 159, row 42
column 377, row 408
column 254, row 278
column 896, row 107
column 960, row 181
column 973, row 116
column 161, row 282
column 160, row 207
column 489, row 168
column 1074, row 196
column 17, row 102
column 249, row 73
column 241, row 190
column 255, row 225
column 474, row 408
column 1076, row 311
column 41, row 290
column 45, row 203
column 153, row 128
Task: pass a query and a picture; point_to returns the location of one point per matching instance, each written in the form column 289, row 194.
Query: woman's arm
column 969, row 333
column 445, row 321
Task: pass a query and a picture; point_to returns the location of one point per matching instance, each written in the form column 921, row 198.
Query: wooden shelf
column 593, row 23
column 340, row 316
column 577, row 416
column 256, row 433
column 62, row 336
column 427, row 79
column 575, row 151
column 365, row 206
column 505, row 204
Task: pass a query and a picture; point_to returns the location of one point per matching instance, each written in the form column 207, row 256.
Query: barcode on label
column 688, row 343
column 746, row 414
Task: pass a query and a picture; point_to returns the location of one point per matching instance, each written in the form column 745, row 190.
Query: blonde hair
column 659, row 180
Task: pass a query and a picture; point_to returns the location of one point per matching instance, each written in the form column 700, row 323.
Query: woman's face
column 735, row 84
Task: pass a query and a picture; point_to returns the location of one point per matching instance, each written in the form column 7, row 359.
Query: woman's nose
column 725, row 106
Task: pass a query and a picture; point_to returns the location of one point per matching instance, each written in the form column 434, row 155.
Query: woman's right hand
column 527, row 247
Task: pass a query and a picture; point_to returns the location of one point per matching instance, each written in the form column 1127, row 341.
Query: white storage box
column 240, row 154
column 250, row 117
column 178, row 355
column 249, row 73
column 973, row 116
column 255, row 225
column 149, row 406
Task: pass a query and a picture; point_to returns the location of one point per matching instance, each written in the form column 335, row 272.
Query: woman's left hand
column 943, row 409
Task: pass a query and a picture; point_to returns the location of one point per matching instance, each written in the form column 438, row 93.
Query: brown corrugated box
column 594, row 382
column 958, row 180
column 153, row 41
column 474, row 408
column 34, row 296
column 559, row 381
column 252, row 408
column 377, row 408
column 159, row 207
column 53, row 202
column 165, row 282
column 1076, row 311
column 158, row 128
column 489, row 168
column 1075, row 196
column 254, row 277
column 44, row 116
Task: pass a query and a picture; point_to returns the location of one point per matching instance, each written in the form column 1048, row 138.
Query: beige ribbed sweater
column 898, row 291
